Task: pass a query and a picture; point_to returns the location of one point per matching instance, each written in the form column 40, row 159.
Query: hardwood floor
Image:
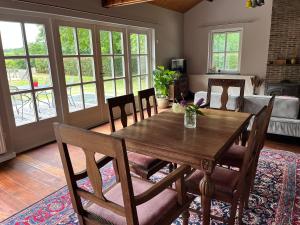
column 33, row 175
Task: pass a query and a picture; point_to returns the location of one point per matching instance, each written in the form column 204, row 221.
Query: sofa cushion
column 148, row 213
column 215, row 101
column 285, row 107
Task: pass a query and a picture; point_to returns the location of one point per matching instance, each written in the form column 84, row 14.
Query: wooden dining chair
column 146, row 95
column 230, row 184
column 226, row 84
column 142, row 165
column 130, row 201
column 233, row 157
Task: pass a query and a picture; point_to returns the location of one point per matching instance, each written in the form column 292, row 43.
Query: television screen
column 179, row 65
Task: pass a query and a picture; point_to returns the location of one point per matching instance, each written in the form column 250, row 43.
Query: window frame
column 151, row 60
column 23, row 19
column 210, row 49
column 114, row 79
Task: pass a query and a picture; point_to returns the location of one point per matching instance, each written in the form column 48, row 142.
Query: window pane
column 74, row 98
column 12, row 38
column 85, row 41
column 219, row 42
column 135, row 65
column 134, row 43
column 87, row 69
column 107, row 67
column 232, row 60
column 120, row 87
column 68, row 40
column 36, row 39
column 23, row 108
column 144, row 82
column 46, row 104
column 135, row 85
column 90, row 95
column 144, row 65
column 117, row 42
column 17, row 75
column 109, row 89
column 233, row 42
column 119, row 66
column 143, row 44
column 41, row 74
column 72, row 74
column 218, row 61
column 105, row 42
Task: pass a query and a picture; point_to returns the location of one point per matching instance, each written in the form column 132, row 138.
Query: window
column 225, row 51
column 113, row 63
column 79, row 68
column 139, row 62
column 28, row 71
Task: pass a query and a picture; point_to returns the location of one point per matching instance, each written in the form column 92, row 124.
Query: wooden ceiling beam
column 114, row 3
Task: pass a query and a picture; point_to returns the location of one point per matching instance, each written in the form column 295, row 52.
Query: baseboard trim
column 7, row 156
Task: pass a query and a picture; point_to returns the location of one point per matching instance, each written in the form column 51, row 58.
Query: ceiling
column 177, row 5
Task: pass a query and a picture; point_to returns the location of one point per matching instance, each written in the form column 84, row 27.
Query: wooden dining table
column 164, row 136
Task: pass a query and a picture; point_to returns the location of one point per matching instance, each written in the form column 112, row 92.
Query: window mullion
column 225, row 52
column 80, row 69
column 29, row 71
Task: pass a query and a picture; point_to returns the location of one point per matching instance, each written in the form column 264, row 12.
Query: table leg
column 207, row 189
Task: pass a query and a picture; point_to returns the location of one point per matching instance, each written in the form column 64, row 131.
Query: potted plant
column 163, row 78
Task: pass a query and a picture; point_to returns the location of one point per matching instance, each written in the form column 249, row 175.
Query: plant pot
column 162, row 103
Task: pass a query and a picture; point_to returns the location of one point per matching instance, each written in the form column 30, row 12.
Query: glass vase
column 190, row 119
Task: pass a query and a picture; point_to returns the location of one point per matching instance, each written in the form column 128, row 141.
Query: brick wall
column 284, row 37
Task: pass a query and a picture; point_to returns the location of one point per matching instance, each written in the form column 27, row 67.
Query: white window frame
column 151, row 59
column 210, row 49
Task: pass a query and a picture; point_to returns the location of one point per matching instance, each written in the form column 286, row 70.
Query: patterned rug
column 275, row 200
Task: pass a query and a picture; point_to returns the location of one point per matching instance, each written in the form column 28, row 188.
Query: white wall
column 207, row 16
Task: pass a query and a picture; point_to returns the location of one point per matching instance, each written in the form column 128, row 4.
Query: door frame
column 42, row 130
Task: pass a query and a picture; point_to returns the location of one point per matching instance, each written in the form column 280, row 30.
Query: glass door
column 113, row 62
column 81, row 80
column 28, row 84
column 140, row 60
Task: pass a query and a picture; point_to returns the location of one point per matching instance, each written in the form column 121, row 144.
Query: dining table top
column 164, row 136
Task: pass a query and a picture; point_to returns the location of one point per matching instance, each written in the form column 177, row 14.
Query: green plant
column 163, row 78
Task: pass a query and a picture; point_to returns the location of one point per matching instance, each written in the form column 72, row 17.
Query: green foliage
column 163, row 79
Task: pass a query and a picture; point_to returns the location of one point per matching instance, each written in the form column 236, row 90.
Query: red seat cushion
column 142, row 161
column 225, row 181
column 233, row 156
column 149, row 213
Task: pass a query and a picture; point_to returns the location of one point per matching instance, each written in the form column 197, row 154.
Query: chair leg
column 80, row 220
column 241, row 210
column 171, row 167
column 185, row 217
column 232, row 213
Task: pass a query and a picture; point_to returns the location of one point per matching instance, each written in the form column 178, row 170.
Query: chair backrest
column 226, row 84
column 92, row 143
column 146, row 94
column 254, row 141
column 121, row 102
column 266, row 122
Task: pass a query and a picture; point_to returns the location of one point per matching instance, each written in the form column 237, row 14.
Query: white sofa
column 285, row 116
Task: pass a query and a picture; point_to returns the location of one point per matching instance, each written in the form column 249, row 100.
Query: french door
column 29, row 86
column 81, row 87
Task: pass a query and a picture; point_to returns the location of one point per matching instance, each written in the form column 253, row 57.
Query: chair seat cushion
column 143, row 161
column 149, row 213
column 225, row 181
column 233, row 156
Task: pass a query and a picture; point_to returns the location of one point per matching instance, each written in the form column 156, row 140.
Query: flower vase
column 190, row 119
